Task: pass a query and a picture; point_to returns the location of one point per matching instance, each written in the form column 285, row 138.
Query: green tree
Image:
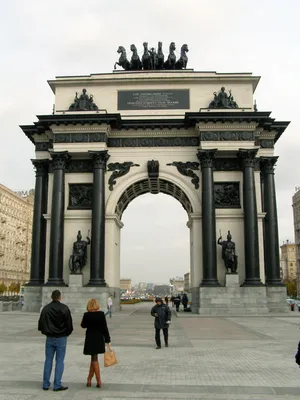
column 291, row 287
column 14, row 287
column 3, row 288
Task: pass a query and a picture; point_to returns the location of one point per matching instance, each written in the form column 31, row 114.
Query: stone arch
column 139, row 184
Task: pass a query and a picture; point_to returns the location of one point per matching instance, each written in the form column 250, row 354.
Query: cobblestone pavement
column 208, row 358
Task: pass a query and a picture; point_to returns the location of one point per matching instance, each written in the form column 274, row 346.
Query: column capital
column 41, row 166
column 247, row 156
column 267, row 164
column 60, row 159
column 99, row 158
column 206, row 157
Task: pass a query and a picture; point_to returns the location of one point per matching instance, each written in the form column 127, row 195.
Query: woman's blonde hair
column 93, row 305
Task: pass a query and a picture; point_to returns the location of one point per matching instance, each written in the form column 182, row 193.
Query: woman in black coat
column 96, row 336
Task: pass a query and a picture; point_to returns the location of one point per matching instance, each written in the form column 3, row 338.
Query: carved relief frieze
column 227, row 194
column 154, row 142
column 187, row 169
column 71, row 128
column 226, row 135
column 83, row 137
column 80, row 196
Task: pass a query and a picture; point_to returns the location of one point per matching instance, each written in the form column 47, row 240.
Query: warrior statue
column 123, row 62
column 228, row 253
column 182, row 62
column 153, row 58
column 171, row 61
column 79, row 255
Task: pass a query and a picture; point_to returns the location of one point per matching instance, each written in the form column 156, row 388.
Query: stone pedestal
column 32, row 298
column 232, row 280
column 75, row 280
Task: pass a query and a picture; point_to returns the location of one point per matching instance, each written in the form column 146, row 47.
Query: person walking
column 167, row 300
column 162, row 314
column 109, row 306
column 184, row 301
column 96, row 336
column 56, row 323
column 177, row 301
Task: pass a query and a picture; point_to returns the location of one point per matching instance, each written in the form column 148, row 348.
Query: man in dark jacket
column 56, row 323
column 162, row 315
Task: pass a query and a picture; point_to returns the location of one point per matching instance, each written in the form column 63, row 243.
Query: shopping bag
column 110, row 358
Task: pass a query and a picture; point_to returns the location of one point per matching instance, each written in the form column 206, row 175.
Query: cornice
column 153, row 133
column 56, row 129
column 220, row 120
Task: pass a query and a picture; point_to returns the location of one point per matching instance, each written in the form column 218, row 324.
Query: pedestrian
column 96, row 336
column 177, row 301
column 167, row 300
column 184, row 301
column 56, row 323
column 162, row 314
column 172, row 300
column 109, row 306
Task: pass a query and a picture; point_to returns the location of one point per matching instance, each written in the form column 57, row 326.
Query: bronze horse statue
column 123, row 62
column 160, row 57
column 146, row 58
column 171, row 61
column 135, row 62
column 182, row 62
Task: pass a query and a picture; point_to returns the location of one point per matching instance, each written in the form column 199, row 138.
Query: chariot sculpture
column 152, row 59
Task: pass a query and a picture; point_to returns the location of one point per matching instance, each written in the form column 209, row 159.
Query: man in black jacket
column 56, row 323
column 162, row 315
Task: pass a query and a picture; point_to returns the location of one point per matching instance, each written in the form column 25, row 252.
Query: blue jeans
column 54, row 346
column 109, row 310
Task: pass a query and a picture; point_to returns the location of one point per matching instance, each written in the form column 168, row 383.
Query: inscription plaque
column 154, row 99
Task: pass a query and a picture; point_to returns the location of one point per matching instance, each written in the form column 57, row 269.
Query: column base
column 274, row 282
column 35, row 282
column 55, row 282
column 97, row 282
column 210, row 282
column 252, row 282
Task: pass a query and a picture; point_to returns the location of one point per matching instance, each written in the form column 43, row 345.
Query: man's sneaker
column 166, row 345
column 158, row 347
column 60, row 388
column 45, row 388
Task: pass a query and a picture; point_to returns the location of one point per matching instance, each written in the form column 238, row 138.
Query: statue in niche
column 79, row 255
column 223, row 100
column 228, row 253
column 83, row 102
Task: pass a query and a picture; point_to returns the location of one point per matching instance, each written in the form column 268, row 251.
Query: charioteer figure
column 79, row 255
column 228, row 253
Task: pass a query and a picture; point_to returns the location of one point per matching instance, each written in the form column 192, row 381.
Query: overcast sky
column 44, row 39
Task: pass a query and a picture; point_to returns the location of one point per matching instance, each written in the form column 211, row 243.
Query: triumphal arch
column 158, row 128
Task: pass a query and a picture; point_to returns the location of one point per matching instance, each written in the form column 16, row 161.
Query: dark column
column 250, row 218
column 56, row 259
column 209, row 242
column 38, row 245
column 271, row 241
column 98, row 219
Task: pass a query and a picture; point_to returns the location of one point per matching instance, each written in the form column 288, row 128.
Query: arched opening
column 155, row 239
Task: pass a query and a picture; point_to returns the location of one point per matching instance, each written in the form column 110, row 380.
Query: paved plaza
column 208, row 358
